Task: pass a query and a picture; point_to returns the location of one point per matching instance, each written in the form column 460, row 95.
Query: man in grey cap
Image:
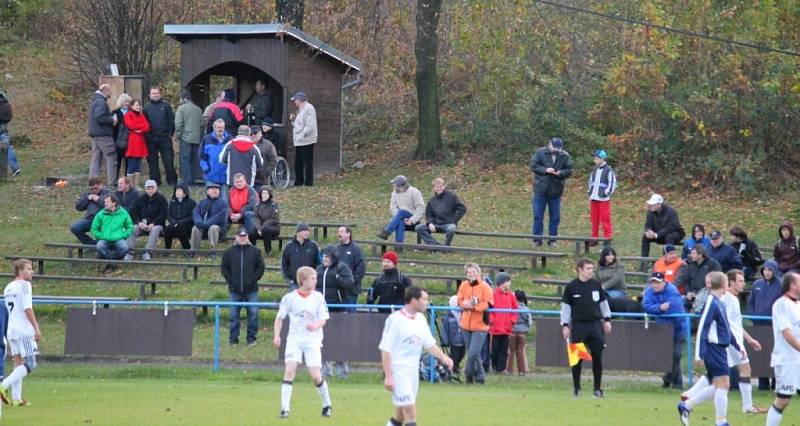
column 189, row 133
column 242, row 266
column 210, row 217
column 301, row 251
column 406, row 207
column 149, row 215
column 304, row 137
column 551, row 166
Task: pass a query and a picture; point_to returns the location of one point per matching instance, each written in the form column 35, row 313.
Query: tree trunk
column 290, row 12
column 426, row 51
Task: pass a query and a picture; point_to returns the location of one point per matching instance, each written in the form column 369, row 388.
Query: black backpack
column 6, row 114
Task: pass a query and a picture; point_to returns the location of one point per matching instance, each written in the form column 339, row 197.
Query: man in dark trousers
column 351, row 255
column 242, row 267
column 551, row 166
column 149, row 215
column 442, row 213
column 335, row 282
column 586, row 318
column 389, row 288
column 662, row 225
column 301, row 251
column 90, row 202
column 159, row 139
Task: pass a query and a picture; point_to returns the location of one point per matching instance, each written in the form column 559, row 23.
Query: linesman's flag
column 577, row 352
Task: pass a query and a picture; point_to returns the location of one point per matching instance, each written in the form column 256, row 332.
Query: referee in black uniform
column 584, row 306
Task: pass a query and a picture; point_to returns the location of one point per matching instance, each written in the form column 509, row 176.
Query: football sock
column 774, row 416
column 286, row 395
column 701, row 383
column 700, row 396
column 18, row 374
column 324, row 396
column 746, row 389
column 721, row 405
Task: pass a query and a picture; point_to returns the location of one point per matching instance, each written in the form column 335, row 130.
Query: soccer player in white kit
column 405, row 334
column 23, row 331
column 786, row 351
column 308, row 313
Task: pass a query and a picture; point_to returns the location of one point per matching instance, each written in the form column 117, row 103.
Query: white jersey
column 785, row 314
column 733, row 310
column 404, row 337
column 18, row 297
column 303, row 310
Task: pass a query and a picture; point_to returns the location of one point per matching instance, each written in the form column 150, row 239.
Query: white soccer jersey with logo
column 303, row 310
column 18, row 297
column 404, row 337
column 785, row 314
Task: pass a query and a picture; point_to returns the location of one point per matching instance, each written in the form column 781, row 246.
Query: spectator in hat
column 266, row 219
column 748, row 250
column 210, row 217
column 765, row 291
column 406, row 207
column 611, row 274
column 337, row 285
column 662, row 298
column 210, row 149
column 602, row 183
column 228, row 111
column 268, row 155
column 274, row 136
column 304, row 137
column 189, row 133
column 301, row 251
column 390, row 287
column 662, row 225
column 242, row 267
column 501, row 324
column 786, row 252
column 149, row 214
column 551, row 166
column 241, row 156
column 698, row 237
column 669, row 264
column 90, row 202
column 442, row 214
column 723, row 253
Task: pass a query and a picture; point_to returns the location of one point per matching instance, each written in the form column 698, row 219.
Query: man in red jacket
column 501, row 323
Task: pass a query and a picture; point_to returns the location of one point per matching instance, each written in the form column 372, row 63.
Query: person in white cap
column 662, row 225
column 304, row 136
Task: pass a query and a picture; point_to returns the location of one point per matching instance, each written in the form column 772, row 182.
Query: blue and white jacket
column 602, row 183
column 713, row 328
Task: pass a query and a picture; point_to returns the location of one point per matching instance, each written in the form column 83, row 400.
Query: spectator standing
column 698, row 237
column 149, row 214
column 406, row 207
column 121, row 132
column 6, row 115
column 269, row 157
column 210, row 217
column 763, row 294
column 189, row 133
column 90, row 202
column 475, row 298
column 389, row 288
column 748, row 250
column 336, row 280
column 213, row 143
column 669, row 264
column 586, row 318
column 304, row 137
column 551, row 166
column 272, row 135
column 301, row 251
column 262, row 102
column 266, row 219
column 611, row 274
column 662, row 225
column 350, row 254
column 692, row 275
column 723, row 253
column 242, row 157
column 228, row 111
column 138, row 128
column 159, row 140
column 662, row 298
column 451, row 334
column 501, row 324
column 242, row 267
column 785, row 252
column 126, row 193
column 242, row 200
column 209, row 110
column 442, row 214
column 519, row 335
column 602, row 183
column 179, row 216
column 111, row 227
column 101, row 130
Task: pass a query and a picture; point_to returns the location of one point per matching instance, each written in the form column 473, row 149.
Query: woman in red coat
column 137, row 125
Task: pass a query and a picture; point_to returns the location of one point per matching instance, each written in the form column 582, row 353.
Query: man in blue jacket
column 723, row 253
column 763, row 295
column 662, row 298
column 210, row 218
column 210, row 148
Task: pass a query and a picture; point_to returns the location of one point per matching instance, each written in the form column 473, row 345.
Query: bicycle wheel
column 280, row 176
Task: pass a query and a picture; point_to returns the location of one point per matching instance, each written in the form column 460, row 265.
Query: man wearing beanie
column 502, row 323
column 389, row 288
column 301, row 251
column 669, row 263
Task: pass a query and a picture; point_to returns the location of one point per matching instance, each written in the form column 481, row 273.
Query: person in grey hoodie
column 101, row 130
column 763, row 295
column 611, row 274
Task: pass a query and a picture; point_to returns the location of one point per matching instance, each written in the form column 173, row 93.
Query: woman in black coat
column 120, row 133
column 179, row 217
column 266, row 219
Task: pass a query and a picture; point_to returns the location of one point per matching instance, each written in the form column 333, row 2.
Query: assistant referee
column 586, row 318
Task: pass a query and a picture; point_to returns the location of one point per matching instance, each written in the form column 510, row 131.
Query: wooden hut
column 287, row 59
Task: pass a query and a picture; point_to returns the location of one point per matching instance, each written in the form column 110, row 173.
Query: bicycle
column 281, row 175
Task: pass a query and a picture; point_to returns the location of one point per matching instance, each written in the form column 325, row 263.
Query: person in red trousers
column 602, row 183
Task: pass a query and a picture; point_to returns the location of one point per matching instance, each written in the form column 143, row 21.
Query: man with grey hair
column 101, row 130
column 189, row 133
column 241, row 156
column 304, row 137
column 213, row 170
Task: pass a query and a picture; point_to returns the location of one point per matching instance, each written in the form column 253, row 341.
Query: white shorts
column 303, row 352
column 787, row 379
column 735, row 357
column 406, row 386
column 24, row 347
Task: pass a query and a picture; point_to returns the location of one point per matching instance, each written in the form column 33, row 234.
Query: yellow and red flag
column 577, row 352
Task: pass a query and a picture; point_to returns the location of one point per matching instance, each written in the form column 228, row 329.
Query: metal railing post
column 216, row 337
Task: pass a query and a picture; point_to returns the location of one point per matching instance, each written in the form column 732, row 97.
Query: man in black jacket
column 159, row 139
column 299, row 252
column 662, row 225
column 242, row 267
column 126, row 193
column 90, row 202
column 442, row 213
column 551, row 166
column 389, row 288
column 351, row 255
column 101, row 130
column 149, row 215
column 692, row 275
column 335, row 282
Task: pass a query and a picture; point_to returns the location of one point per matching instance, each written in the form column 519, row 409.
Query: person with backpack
column 6, row 114
column 451, row 335
column 519, row 335
column 389, row 288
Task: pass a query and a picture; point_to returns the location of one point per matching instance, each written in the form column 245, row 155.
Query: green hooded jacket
column 112, row 226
